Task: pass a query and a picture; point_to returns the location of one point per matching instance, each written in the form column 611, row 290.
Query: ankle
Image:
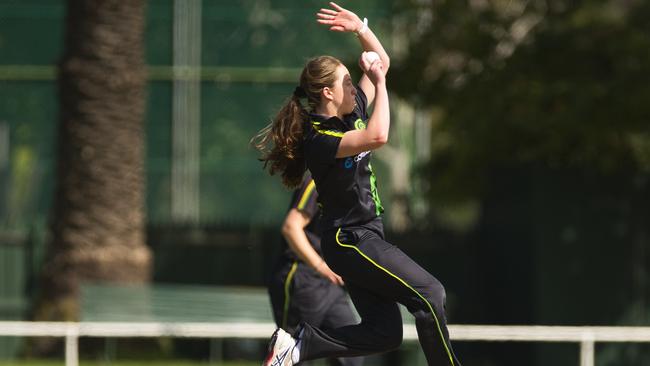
column 295, row 353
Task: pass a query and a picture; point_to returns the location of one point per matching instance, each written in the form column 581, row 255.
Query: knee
column 387, row 335
column 392, row 340
column 436, row 296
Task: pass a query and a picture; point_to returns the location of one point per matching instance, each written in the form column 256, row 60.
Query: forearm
column 370, row 42
column 300, row 245
column 379, row 123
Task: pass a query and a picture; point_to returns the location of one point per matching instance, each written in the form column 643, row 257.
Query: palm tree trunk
column 98, row 221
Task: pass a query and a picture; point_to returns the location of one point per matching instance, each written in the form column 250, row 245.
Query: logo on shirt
column 349, row 162
column 361, row 156
column 359, row 124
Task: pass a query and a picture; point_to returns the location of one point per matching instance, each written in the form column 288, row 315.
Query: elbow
column 386, row 63
column 286, row 229
column 378, row 137
column 380, row 140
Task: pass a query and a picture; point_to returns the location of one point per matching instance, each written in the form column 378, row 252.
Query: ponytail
column 281, row 142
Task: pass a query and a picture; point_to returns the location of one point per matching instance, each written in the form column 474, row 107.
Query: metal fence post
column 587, row 349
column 72, row 345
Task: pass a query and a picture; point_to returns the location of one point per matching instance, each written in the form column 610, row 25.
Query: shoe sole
column 269, row 359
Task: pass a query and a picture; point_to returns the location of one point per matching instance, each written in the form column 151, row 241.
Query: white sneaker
column 280, row 347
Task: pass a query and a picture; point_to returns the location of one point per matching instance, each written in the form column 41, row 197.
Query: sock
column 295, row 353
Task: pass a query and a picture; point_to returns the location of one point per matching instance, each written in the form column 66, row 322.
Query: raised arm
column 343, row 20
column 376, row 133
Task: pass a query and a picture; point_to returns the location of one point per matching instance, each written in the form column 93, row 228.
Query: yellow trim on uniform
column 326, row 132
column 306, row 194
column 405, row 284
column 287, row 284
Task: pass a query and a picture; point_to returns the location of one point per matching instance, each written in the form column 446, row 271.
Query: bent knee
column 391, row 341
column 394, row 341
column 436, row 296
column 387, row 336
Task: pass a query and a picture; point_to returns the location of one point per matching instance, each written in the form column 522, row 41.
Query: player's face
column 344, row 91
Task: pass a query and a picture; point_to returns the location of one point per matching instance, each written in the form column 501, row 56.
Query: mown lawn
column 123, row 363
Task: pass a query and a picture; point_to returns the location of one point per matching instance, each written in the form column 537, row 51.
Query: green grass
column 123, row 363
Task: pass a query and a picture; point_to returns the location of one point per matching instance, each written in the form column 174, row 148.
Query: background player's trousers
column 313, row 299
column 378, row 275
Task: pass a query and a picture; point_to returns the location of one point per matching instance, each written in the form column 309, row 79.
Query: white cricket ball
column 370, row 56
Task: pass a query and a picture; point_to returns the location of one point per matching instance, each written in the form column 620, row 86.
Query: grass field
column 124, row 363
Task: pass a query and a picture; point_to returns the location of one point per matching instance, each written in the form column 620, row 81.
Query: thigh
column 340, row 313
column 281, row 285
column 382, row 268
column 310, row 297
column 376, row 311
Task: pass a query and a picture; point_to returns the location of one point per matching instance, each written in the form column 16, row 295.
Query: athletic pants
column 378, row 275
column 299, row 294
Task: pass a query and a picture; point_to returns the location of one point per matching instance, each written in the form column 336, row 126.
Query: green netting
column 28, row 115
column 251, row 56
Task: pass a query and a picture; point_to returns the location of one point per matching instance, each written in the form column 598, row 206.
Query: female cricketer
column 334, row 137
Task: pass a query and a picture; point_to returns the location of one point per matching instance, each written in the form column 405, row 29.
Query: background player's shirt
column 304, row 199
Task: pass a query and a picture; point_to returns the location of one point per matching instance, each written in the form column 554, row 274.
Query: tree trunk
column 98, row 221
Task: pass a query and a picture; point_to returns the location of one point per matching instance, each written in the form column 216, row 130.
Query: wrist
column 319, row 265
column 363, row 27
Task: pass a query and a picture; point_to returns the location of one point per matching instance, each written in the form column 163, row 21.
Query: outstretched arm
column 343, row 20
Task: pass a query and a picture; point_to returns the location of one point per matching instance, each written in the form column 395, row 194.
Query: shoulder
column 362, row 104
column 321, row 143
column 332, row 127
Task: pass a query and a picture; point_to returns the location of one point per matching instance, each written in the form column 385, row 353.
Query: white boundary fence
column 585, row 336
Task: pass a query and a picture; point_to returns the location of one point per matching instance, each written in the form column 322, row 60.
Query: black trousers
column 378, row 275
column 298, row 294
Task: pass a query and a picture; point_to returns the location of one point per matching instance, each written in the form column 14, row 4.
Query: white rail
column 585, row 336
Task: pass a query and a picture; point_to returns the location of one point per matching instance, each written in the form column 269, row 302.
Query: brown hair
column 281, row 141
